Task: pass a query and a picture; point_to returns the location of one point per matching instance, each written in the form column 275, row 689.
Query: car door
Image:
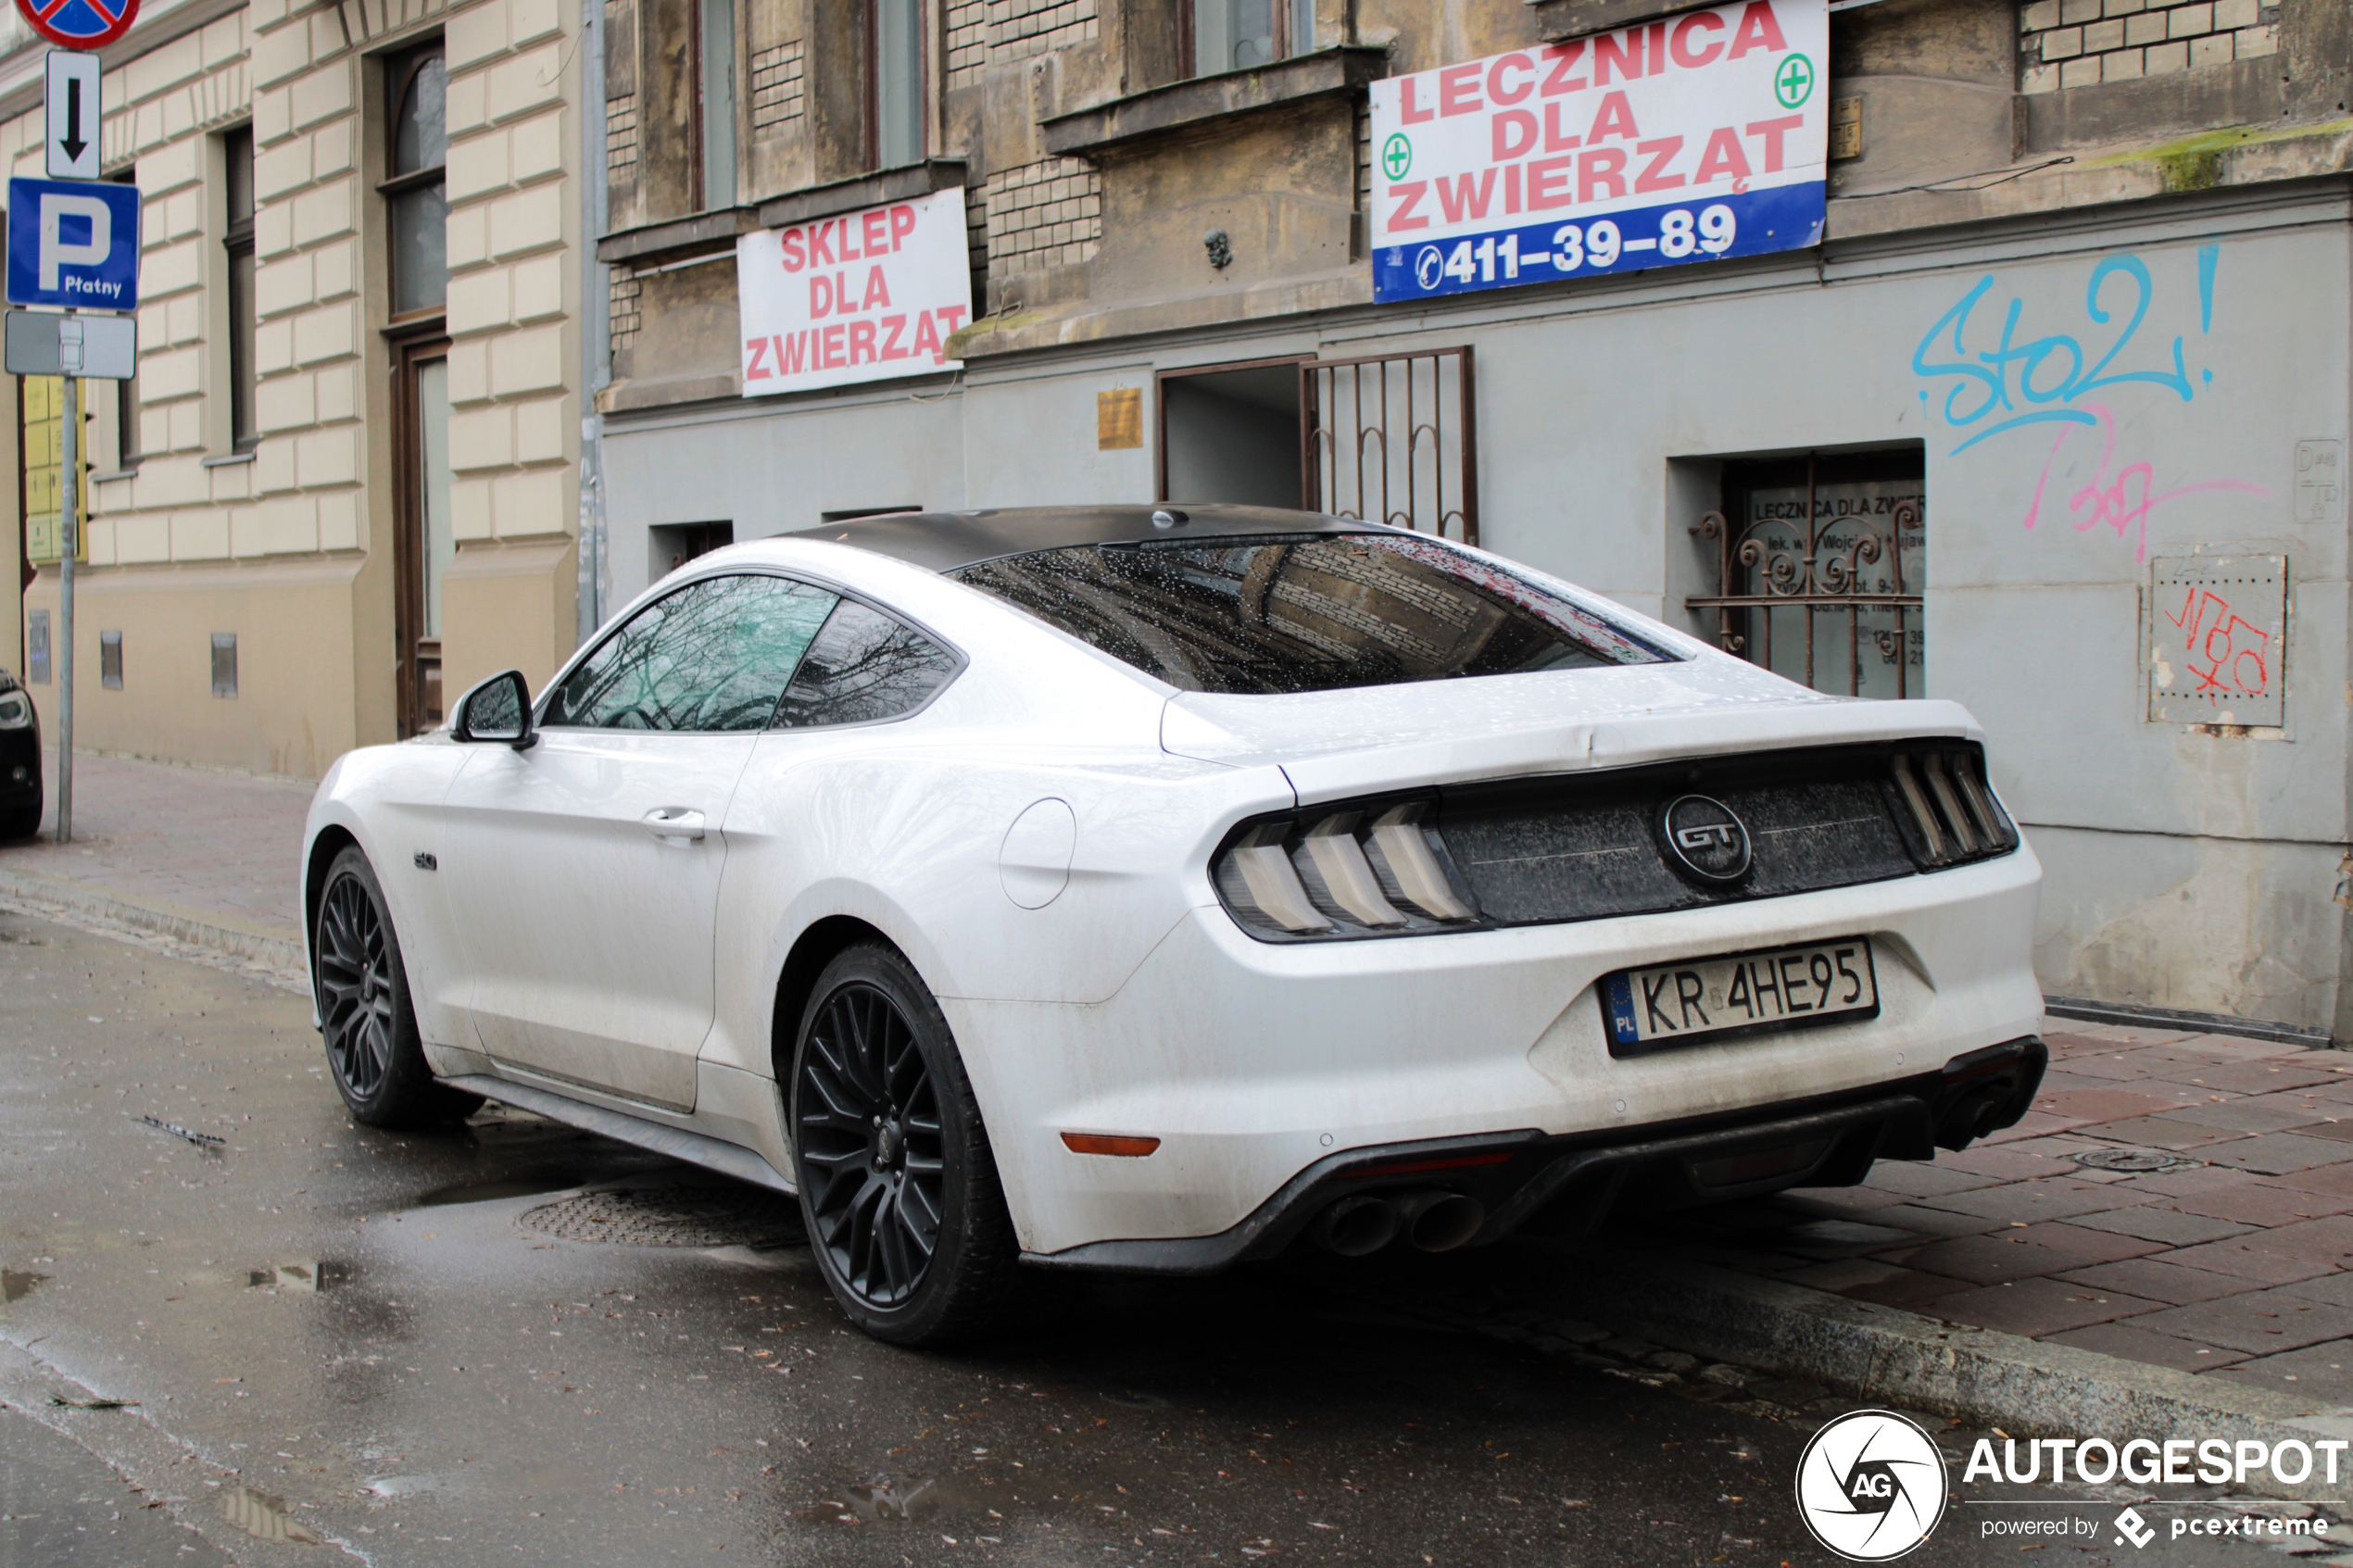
column 584, row 871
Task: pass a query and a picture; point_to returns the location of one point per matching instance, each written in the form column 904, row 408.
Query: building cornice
column 1211, row 103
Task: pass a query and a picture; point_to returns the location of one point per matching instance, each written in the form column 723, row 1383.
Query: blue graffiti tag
column 2049, row 374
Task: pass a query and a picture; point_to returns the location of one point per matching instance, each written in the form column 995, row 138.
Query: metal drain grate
column 2141, row 1159
column 673, row 1216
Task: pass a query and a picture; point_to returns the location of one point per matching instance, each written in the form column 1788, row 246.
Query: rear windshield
column 1305, row 613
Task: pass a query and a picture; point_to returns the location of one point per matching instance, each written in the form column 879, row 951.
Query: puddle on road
column 905, row 1497
column 14, row 1286
column 306, row 1277
column 491, row 1192
column 262, row 1516
column 399, row 1486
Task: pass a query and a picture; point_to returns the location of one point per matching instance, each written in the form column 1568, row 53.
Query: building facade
column 344, row 481
column 2048, row 422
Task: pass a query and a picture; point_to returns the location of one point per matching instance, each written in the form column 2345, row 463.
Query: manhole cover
column 2129, row 1160
column 673, row 1216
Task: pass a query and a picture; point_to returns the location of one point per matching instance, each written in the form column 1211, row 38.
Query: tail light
column 1350, row 871
column 1947, row 814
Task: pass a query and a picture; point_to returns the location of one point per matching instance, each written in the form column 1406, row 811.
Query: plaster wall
column 2189, row 866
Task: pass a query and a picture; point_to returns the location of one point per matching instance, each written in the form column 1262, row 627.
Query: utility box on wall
column 2216, row 631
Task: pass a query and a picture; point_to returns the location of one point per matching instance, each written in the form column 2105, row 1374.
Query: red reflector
column 1106, row 1143
column 1411, row 1167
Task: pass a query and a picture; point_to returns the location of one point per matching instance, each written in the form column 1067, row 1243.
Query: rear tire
column 898, row 1187
column 373, row 1051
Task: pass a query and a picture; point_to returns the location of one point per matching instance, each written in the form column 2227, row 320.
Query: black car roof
column 945, row 540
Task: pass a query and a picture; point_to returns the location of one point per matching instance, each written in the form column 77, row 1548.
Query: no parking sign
column 79, row 24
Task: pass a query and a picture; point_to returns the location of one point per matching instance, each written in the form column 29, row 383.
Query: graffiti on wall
column 2120, row 498
column 1984, row 377
column 2216, row 629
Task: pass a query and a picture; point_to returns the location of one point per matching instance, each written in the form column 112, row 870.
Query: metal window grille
column 110, row 660
column 1831, row 583
column 224, row 664
column 36, row 647
column 1394, row 439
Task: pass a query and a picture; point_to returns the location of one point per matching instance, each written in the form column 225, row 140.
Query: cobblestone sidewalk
column 2181, row 1200
column 212, row 844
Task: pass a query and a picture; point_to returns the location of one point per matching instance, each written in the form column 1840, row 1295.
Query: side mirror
column 499, row 710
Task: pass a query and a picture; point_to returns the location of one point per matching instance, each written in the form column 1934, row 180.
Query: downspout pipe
column 596, row 329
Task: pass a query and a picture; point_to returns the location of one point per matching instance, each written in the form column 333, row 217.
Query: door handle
column 674, row 822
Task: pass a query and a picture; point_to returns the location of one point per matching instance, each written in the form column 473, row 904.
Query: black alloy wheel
column 374, row 1050
column 897, row 1185
column 355, row 1010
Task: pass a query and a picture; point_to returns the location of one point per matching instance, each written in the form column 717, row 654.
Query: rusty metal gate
column 1393, row 438
column 1834, row 580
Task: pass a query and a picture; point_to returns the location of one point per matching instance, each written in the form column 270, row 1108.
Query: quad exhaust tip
column 1355, row 1227
column 1431, row 1220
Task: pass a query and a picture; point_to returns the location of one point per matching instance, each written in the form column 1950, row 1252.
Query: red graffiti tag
column 2237, row 655
column 2120, row 498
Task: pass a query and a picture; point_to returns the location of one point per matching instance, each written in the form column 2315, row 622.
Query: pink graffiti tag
column 2228, row 644
column 2119, row 497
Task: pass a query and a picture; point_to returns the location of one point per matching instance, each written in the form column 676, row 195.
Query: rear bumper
column 1565, row 1185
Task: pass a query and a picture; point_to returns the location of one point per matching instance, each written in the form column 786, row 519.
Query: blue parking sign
column 73, row 243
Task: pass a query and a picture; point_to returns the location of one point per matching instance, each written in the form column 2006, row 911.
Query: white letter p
column 54, row 252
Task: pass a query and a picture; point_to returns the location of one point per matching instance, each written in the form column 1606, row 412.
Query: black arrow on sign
column 72, row 141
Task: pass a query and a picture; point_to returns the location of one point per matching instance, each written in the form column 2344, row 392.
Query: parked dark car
column 19, row 761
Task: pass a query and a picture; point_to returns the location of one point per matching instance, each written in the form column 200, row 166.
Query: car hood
column 1340, row 743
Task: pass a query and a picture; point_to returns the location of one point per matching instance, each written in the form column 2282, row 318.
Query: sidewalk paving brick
column 2038, row 1307
column 212, row 843
column 2236, row 1263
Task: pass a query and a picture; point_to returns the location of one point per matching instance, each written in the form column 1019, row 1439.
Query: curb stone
column 1981, row 1376
column 265, row 945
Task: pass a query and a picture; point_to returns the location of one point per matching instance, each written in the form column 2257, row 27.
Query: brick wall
column 778, row 85
column 1020, row 28
column 967, row 27
column 1044, row 214
column 2079, row 43
column 620, row 134
column 623, row 318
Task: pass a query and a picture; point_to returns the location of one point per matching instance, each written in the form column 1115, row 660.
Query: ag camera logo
column 1871, row 1485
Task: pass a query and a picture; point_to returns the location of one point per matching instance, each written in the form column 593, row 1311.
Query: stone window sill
column 1208, row 102
column 226, row 459
column 710, row 234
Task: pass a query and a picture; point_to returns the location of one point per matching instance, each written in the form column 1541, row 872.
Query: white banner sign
column 862, row 298
column 1701, row 136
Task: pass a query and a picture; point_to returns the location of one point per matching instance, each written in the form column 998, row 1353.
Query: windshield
column 1305, row 613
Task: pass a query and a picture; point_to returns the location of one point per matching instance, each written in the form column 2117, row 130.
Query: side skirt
column 676, row 1142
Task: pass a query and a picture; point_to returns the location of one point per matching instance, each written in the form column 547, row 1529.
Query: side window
column 713, row 655
column 862, row 667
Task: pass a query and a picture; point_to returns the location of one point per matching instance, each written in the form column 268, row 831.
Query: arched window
column 418, row 89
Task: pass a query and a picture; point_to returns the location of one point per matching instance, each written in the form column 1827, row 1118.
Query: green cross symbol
column 1396, row 155
column 1793, row 81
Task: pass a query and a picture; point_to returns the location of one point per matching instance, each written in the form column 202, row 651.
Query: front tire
column 373, row 1051
column 898, row 1184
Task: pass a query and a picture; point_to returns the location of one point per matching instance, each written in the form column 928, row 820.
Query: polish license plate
column 1654, row 1009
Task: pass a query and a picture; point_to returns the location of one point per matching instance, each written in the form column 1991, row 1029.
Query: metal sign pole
column 68, row 529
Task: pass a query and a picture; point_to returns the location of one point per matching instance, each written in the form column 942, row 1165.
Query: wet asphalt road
column 347, row 1342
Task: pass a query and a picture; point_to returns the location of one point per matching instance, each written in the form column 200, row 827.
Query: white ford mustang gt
column 1119, row 888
